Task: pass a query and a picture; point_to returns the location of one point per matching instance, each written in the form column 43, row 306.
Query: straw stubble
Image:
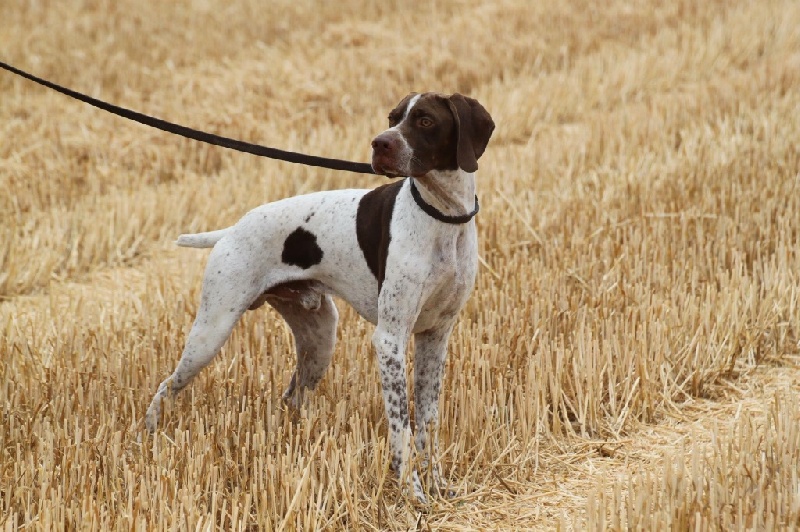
column 639, row 263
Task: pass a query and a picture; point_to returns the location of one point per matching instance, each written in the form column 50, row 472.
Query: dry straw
column 745, row 478
column 639, row 240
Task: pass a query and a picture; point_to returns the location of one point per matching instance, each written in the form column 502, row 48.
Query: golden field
column 629, row 358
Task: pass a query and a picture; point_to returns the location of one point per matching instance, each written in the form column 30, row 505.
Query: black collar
column 436, row 214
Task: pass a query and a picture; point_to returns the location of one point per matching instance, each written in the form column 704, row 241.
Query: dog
column 404, row 255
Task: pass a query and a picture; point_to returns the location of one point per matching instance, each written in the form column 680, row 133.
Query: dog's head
column 429, row 132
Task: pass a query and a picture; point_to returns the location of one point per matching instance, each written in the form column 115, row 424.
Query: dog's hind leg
column 227, row 293
column 210, row 331
column 314, row 330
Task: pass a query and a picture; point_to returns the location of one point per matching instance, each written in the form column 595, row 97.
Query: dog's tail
column 201, row 240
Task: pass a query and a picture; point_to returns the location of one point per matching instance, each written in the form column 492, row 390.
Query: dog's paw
column 154, row 410
column 434, row 483
column 151, row 418
column 446, row 492
column 413, row 491
column 293, row 395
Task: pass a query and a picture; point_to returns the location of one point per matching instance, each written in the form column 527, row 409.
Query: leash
column 202, row 136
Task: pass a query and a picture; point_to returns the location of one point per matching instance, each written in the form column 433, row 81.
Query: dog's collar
column 436, row 214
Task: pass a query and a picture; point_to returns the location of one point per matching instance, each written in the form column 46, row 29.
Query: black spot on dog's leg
column 301, row 249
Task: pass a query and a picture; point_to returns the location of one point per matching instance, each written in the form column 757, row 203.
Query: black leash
column 202, row 136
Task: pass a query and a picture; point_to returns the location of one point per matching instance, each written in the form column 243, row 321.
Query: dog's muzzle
column 388, row 154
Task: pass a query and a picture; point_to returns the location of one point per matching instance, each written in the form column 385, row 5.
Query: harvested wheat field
column 629, row 358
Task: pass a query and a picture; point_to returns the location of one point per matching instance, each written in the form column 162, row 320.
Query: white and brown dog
column 404, row 255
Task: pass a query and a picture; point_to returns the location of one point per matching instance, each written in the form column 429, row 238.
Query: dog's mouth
column 382, row 167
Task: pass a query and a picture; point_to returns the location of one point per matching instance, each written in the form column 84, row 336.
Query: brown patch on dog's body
column 373, row 219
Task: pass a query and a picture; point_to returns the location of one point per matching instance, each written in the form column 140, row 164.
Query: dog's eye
column 425, row 122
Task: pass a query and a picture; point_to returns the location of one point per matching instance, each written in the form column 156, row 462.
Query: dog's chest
column 451, row 278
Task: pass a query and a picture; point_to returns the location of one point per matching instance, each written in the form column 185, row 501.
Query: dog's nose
column 382, row 143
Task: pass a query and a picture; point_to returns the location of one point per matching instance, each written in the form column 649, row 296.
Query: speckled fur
column 429, row 274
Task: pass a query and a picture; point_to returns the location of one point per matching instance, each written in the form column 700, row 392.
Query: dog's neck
column 451, row 192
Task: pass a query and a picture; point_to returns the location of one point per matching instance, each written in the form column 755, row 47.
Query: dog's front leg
column 390, row 340
column 429, row 362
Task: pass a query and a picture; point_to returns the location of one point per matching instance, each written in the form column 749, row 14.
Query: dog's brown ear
column 475, row 128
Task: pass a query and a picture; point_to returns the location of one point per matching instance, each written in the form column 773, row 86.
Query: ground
column 629, row 358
